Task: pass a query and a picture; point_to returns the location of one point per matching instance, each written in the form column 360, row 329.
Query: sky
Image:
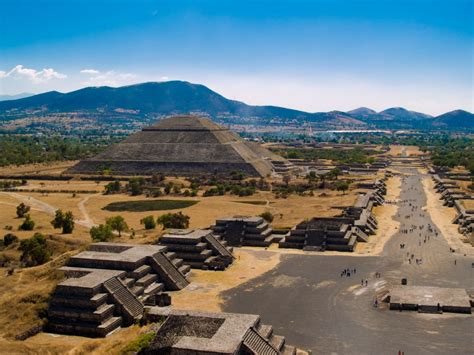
column 312, row 55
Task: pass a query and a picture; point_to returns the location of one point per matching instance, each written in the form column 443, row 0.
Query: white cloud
column 20, row 72
column 110, row 78
column 89, row 71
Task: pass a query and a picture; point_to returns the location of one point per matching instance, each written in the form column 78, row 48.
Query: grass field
column 148, row 205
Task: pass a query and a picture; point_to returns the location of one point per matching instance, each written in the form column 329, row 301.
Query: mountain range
column 177, row 97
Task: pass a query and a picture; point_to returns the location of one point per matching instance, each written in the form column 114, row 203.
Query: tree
column 342, row 186
column 267, row 216
column 28, row 224
column 35, row 250
column 113, row 187
column 101, row 233
column 148, row 222
column 22, row 210
column 64, row 221
column 286, row 180
column 174, row 220
column 312, row 177
column 334, row 173
column 118, row 224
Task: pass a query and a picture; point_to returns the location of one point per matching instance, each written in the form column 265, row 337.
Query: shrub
column 28, row 224
column 9, row 239
column 267, row 216
column 174, row 220
column 101, row 233
column 139, row 344
column 35, row 250
column 117, row 223
column 22, row 210
column 148, row 222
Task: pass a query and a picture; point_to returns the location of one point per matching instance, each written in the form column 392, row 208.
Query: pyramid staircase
column 168, row 272
column 132, row 308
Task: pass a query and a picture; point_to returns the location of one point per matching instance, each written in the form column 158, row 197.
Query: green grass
column 148, row 205
column 259, row 203
column 141, row 343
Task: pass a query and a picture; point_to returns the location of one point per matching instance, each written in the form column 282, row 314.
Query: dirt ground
column 396, row 150
column 443, row 217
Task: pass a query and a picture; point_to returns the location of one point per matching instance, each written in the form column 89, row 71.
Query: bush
column 174, row 220
column 35, row 250
column 101, row 233
column 267, row 216
column 22, row 210
column 28, row 224
column 9, row 239
column 148, row 222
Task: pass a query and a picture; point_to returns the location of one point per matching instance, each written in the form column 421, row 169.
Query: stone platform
column 430, row 299
column 191, row 332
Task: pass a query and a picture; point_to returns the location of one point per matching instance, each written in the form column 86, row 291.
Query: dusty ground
column 397, row 150
column 443, row 217
column 54, row 168
column 206, row 287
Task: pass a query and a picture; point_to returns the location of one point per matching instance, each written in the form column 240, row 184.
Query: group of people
column 348, row 272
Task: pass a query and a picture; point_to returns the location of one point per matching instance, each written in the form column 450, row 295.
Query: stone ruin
column 191, row 332
column 453, row 196
column 199, row 248
column 244, row 231
column 341, row 233
column 108, row 286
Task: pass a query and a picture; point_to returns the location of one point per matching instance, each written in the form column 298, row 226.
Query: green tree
column 118, row 224
column 22, row 210
column 148, row 222
column 64, row 221
column 342, row 186
column 101, row 233
column 35, row 250
column 28, row 224
column 112, row 187
column 174, row 220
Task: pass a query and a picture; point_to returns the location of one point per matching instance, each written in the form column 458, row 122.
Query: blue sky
column 312, row 55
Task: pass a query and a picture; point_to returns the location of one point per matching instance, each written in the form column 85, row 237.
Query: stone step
column 177, row 262
column 277, row 341
column 129, row 282
column 184, row 269
column 288, row 350
column 147, row 280
column 138, row 290
column 140, row 272
column 154, row 288
column 265, row 330
column 110, row 325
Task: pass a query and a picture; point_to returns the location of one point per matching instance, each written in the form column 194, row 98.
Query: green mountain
column 155, row 99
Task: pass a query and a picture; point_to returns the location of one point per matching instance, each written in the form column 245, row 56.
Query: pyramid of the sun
column 181, row 146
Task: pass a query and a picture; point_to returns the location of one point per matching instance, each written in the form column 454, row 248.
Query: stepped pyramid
column 182, row 146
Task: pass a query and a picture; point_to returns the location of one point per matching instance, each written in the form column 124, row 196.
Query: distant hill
column 179, row 97
column 15, row 97
column 456, row 118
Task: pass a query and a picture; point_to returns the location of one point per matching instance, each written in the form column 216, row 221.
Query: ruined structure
column 184, row 146
column 199, row 248
column 244, row 231
column 463, row 202
column 341, row 233
column 108, row 286
column 190, row 332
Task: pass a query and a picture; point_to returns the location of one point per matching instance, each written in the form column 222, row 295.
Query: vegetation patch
column 139, row 344
column 149, row 205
